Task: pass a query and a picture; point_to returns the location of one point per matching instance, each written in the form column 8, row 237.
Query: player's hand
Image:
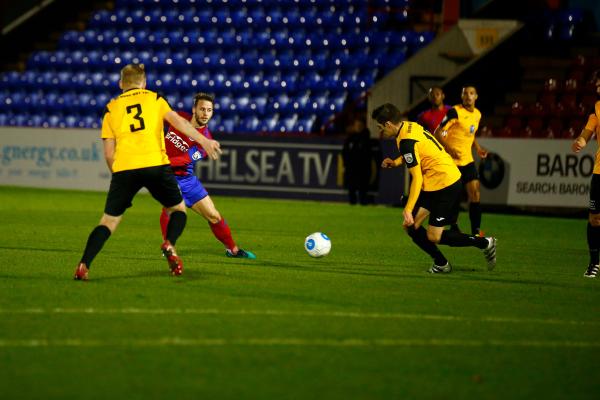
column 578, row 144
column 213, row 149
column 387, row 163
column 408, row 218
column 482, row 153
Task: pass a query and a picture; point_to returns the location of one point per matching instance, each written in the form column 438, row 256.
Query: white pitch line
column 293, row 313
column 294, row 342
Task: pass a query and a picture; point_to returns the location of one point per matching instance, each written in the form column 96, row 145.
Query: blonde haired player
column 134, row 149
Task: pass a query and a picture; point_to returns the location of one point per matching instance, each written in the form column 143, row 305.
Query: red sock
column 164, row 221
column 223, row 233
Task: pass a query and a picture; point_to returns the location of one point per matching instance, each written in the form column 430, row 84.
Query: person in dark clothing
column 357, row 157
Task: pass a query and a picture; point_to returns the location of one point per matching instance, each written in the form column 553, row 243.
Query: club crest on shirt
column 408, row 157
column 197, row 155
column 472, row 129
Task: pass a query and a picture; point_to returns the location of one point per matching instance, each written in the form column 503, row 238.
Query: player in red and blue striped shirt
column 183, row 154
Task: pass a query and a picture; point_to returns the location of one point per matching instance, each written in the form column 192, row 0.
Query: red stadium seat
column 552, row 85
column 534, row 127
column 514, row 123
column 571, row 85
column 506, row 132
column 485, row 131
column 517, row 109
column 547, row 99
column 538, row 110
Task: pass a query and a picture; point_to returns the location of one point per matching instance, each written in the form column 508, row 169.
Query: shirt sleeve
column 449, row 117
column 409, row 153
column 107, row 132
column 163, row 105
column 592, row 123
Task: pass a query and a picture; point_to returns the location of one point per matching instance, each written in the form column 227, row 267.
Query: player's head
column 469, row 96
column 436, row 96
column 203, row 108
column 388, row 118
column 132, row 76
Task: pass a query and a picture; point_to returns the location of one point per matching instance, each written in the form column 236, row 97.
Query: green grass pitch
column 365, row 322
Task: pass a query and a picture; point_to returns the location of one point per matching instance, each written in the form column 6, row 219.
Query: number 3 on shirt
column 137, row 108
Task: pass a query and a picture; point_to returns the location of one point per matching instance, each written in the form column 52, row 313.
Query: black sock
column 454, row 227
column 458, row 239
column 419, row 236
column 475, row 217
column 94, row 244
column 593, row 239
column 175, row 227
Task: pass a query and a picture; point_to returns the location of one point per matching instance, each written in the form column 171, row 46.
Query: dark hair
column 595, row 75
column 431, row 89
column 203, row 96
column 385, row 113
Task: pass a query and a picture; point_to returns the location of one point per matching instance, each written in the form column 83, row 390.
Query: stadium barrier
column 520, row 172
column 536, row 173
column 251, row 165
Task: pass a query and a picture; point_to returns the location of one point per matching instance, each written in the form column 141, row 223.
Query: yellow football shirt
column 458, row 132
column 593, row 124
column 420, row 149
column 135, row 120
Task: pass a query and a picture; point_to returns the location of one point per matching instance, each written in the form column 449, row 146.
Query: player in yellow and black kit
column 434, row 191
column 457, row 133
column 593, row 227
column 134, row 149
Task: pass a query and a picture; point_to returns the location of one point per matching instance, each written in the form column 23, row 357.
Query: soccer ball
column 317, row 244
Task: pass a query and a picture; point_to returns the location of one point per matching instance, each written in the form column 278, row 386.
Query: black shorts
column 468, row 173
column 124, row 185
column 442, row 204
column 595, row 194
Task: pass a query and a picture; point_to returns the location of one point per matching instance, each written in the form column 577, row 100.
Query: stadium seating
column 287, row 67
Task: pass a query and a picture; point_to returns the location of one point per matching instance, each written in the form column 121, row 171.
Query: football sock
column 459, row 239
column 419, row 236
column 175, row 227
column 94, row 244
column 164, row 221
column 475, row 217
column 593, row 239
column 223, row 233
column 454, row 227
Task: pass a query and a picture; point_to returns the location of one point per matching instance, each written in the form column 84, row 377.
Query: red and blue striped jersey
column 184, row 151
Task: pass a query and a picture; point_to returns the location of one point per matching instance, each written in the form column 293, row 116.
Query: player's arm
column 109, row 141
column 109, row 152
column 212, row 147
column 410, row 154
column 389, row 163
column 415, row 190
column 586, row 134
column 450, row 119
column 481, row 151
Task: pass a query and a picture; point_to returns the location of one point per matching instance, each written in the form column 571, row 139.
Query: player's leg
column 418, row 234
column 123, row 187
column 471, row 181
column 162, row 185
column 196, row 197
column 593, row 228
column 443, row 212
column 164, row 222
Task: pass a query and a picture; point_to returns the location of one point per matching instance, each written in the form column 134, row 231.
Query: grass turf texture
column 367, row 321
